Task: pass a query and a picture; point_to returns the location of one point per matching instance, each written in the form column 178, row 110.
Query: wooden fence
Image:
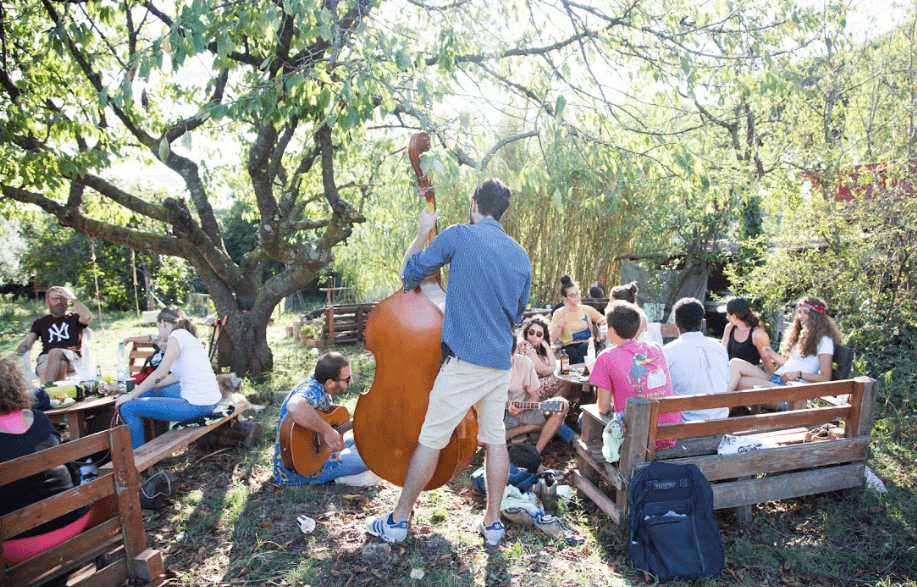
column 345, row 324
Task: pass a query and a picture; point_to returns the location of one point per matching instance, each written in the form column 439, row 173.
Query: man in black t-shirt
column 61, row 334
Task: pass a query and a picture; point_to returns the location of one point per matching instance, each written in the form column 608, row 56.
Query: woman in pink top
column 631, row 368
column 24, row 431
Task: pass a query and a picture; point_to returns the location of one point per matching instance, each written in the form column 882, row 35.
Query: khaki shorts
column 459, row 386
column 72, row 358
column 534, row 417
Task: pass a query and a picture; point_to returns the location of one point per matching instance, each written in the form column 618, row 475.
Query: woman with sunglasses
column 536, row 345
column 806, row 355
column 572, row 323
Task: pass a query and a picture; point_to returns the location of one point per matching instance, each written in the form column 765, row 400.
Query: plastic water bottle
column 123, row 368
column 24, row 364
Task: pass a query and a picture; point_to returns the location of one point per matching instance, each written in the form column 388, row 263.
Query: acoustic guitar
column 301, row 449
column 547, row 406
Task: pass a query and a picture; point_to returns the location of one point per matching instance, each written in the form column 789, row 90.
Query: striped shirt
column 489, row 280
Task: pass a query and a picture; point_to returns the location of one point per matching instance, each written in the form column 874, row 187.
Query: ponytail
column 174, row 315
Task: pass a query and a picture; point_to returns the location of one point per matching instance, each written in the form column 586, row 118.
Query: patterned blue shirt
column 489, row 280
column 314, row 393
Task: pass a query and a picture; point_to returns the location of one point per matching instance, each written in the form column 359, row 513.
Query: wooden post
column 634, row 449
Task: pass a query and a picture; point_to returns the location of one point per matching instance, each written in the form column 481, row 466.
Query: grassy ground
column 230, row 524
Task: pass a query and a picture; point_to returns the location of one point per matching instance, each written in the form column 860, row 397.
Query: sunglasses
column 537, row 333
column 347, row 381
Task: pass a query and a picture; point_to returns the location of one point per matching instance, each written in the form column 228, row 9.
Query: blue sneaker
column 385, row 528
column 492, row 534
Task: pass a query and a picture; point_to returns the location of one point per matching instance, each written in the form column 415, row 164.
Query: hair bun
column 565, row 279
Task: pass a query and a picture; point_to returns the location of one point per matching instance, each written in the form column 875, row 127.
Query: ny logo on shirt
column 61, row 331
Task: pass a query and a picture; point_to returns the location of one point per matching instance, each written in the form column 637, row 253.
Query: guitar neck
column 345, row 427
column 533, row 405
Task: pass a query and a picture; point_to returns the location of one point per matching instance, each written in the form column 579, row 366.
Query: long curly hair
column 537, row 321
column 806, row 339
column 14, row 391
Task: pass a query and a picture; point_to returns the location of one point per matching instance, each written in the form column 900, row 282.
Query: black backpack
column 525, row 456
column 673, row 534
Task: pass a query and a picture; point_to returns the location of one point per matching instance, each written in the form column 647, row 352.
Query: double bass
column 404, row 333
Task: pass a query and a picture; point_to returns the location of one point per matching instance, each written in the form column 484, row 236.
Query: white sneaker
column 382, row 527
column 364, row 479
column 492, row 534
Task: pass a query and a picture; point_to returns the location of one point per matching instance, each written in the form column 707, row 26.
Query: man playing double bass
column 489, row 280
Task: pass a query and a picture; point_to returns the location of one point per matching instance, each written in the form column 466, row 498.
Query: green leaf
column 559, row 107
column 164, row 150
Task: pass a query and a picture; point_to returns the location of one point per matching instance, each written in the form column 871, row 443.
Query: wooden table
column 77, row 414
column 576, row 377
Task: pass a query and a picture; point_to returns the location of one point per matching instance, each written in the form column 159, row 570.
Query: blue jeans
column 345, row 462
column 162, row 403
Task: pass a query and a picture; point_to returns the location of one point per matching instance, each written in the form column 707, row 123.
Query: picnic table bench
column 114, row 536
column 793, row 469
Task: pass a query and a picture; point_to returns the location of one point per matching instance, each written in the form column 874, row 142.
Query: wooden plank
column 147, row 566
column 810, row 455
column 68, row 555
column 755, row 396
column 591, row 454
column 598, row 498
column 776, row 487
column 29, row 465
column 862, row 416
column 36, row 514
column 634, row 449
column 127, row 491
column 113, row 574
column 809, row 417
column 161, row 447
column 593, row 422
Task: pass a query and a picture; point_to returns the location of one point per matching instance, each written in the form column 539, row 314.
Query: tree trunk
column 242, row 343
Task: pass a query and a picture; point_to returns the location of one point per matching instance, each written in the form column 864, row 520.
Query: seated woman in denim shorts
column 808, row 348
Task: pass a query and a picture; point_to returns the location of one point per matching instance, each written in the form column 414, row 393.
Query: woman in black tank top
column 742, row 320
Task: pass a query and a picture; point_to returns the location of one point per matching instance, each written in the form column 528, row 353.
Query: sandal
column 823, row 432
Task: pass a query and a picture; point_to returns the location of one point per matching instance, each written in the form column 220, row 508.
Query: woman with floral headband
column 808, row 347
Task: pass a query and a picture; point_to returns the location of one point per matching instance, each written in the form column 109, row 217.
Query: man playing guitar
column 523, row 389
column 309, row 406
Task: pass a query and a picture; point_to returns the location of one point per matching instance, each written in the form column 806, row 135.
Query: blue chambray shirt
column 489, row 280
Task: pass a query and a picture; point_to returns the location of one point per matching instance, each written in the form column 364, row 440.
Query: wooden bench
column 139, row 353
column 170, row 442
column 115, row 534
column 793, row 469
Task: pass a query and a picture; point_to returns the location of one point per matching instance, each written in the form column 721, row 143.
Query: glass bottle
column 97, row 385
column 564, row 362
column 123, row 368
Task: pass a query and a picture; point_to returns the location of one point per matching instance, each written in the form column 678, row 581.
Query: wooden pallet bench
column 793, row 469
column 114, row 533
column 171, row 441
